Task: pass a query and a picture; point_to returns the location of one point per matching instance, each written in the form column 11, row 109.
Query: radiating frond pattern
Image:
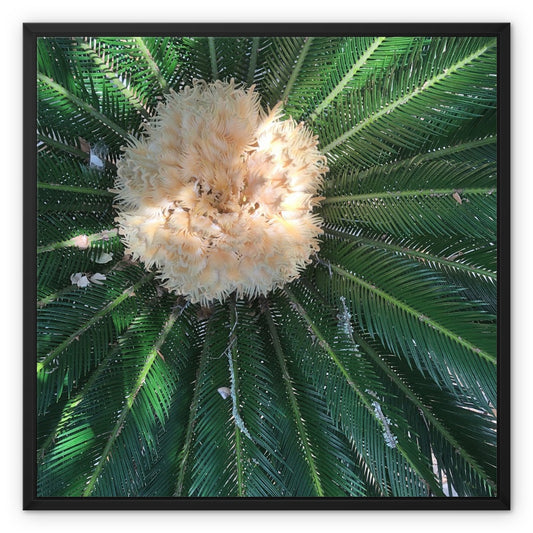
column 371, row 375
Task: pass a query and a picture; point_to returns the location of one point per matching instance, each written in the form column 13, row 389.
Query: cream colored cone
column 218, row 195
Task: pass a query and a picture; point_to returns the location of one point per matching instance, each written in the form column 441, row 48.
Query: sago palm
column 371, row 373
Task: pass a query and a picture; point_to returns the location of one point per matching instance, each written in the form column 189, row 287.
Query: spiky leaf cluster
column 373, row 374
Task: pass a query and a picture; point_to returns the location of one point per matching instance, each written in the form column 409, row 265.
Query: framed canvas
column 266, row 266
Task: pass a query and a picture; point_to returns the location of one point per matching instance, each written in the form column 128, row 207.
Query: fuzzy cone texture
column 219, row 194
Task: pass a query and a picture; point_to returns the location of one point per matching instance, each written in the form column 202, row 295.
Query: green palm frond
column 371, row 375
column 415, row 200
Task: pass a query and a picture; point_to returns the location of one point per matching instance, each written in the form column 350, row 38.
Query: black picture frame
column 31, row 32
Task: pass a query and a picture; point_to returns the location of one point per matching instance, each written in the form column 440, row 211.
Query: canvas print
column 267, row 267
